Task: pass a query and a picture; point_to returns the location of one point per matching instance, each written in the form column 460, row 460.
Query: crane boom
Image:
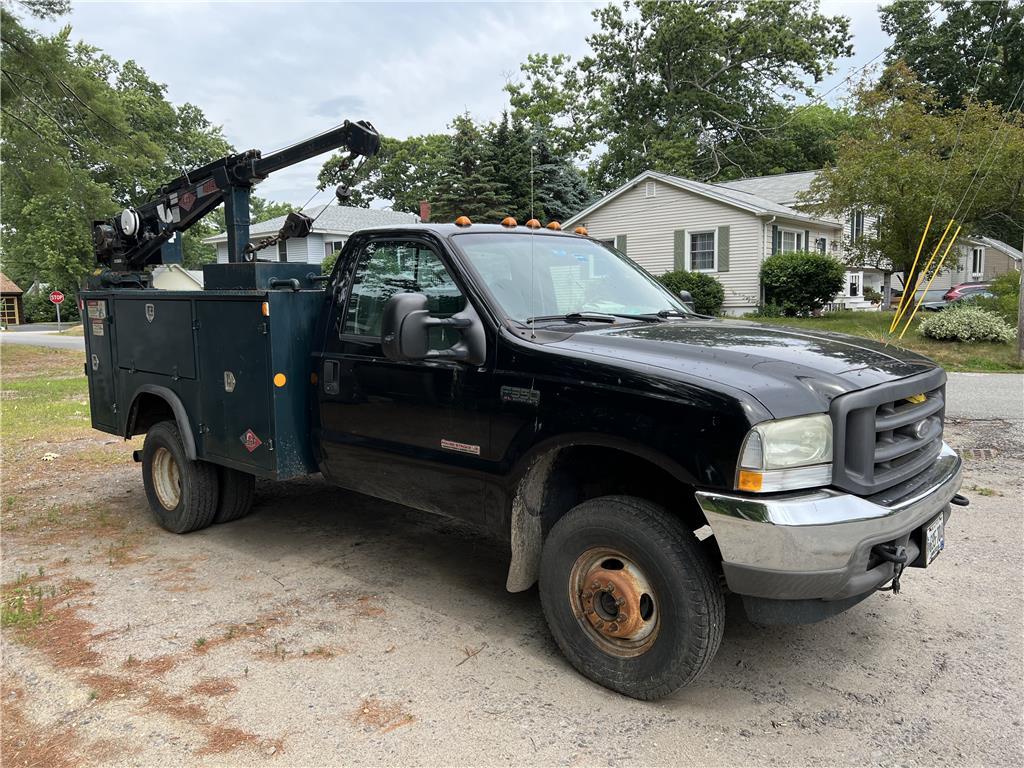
column 145, row 234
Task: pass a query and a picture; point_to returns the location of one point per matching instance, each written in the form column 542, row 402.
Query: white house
column 331, row 229
column 667, row 222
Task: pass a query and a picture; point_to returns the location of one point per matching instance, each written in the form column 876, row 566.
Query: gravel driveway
column 329, row 628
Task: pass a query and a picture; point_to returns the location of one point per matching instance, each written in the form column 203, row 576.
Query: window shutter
column 723, row 249
column 807, row 240
column 775, row 239
column 679, row 250
column 620, row 243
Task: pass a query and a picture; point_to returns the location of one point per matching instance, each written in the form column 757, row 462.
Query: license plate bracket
column 934, row 538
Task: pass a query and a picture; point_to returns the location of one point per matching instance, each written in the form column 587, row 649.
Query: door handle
column 332, row 368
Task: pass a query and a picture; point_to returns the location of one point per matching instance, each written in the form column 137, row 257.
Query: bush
column 39, row 309
column 870, row 294
column 1006, row 302
column 801, row 282
column 967, row 322
column 766, row 310
column 328, row 263
column 708, row 294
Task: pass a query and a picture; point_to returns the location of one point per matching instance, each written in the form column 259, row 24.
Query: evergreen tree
column 470, row 185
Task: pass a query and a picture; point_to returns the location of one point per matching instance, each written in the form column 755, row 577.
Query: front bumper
column 816, row 545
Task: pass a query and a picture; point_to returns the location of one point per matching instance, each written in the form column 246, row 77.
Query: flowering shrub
column 966, row 322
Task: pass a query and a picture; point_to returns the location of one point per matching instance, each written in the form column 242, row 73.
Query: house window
column 330, row 246
column 977, row 261
column 282, row 250
column 650, row 189
column 820, row 245
column 791, row 241
column 854, row 280
column 702, row 251
column 856, row 226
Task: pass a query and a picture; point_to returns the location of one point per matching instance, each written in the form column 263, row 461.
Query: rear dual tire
column 630, row 596
column 187, row 495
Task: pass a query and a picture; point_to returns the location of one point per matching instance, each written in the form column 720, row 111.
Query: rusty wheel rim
column 614, row 602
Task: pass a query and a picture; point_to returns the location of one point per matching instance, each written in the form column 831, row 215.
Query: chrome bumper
column 816, row 544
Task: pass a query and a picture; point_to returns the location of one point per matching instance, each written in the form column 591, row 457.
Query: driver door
column 403, row 431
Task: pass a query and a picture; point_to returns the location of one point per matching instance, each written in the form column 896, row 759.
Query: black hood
column 764, row 361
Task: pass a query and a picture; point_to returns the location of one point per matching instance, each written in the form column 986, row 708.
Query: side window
column 389, row 267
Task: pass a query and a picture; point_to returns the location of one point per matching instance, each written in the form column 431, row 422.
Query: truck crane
column 638, row 459
column 148, row 234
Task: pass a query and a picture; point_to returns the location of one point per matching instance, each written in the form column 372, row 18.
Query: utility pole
column 1020, row 311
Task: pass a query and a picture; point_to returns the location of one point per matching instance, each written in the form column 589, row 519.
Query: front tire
column 630, row 597
column 181, row 493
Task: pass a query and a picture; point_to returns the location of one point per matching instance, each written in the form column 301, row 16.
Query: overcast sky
column 272, row 73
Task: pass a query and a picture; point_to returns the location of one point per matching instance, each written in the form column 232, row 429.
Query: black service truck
column 640, row 460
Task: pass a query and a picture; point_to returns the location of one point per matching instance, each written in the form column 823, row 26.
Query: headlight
column 787, row 454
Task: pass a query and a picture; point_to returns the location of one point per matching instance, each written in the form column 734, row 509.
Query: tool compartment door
column 156, row 335
column 235, row 383
column 99, row 366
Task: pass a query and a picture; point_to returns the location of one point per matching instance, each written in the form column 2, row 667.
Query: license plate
column 935, row 537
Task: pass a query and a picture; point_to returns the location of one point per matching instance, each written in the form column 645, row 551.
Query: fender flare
column 177, row 408
column 532, row 470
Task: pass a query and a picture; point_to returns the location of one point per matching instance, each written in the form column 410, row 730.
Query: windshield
column 538, row 276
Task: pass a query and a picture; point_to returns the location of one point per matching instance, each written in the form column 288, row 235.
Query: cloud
column 275, row 73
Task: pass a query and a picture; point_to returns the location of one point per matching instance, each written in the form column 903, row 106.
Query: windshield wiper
column 577, row 317
column 671, row 313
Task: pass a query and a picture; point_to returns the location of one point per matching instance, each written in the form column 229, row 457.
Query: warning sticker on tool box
column 250, row 441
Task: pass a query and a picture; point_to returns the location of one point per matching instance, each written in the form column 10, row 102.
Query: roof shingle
column 335, row 220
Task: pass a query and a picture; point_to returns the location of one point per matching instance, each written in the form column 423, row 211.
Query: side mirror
column 688, row 301
column 405, row 331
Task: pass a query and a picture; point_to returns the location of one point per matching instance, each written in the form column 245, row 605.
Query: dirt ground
column 329, row 628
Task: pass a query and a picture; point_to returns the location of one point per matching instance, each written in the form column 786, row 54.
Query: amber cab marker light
column 266, row 309
column 750, row 481
column 463, row 221
column 581, row 231
column 508, row 221
column 554, row 225
column 280, row 379
column 533, row 224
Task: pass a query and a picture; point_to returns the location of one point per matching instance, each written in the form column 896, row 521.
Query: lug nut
column 613, row 627
column 588, row 595
column 621, row 601
column 611, row 587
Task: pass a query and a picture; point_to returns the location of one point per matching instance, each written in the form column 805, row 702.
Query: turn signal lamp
column 581, row 231
column 508, row 221
column 554, row 225
column 463, row 221
column 533, row 224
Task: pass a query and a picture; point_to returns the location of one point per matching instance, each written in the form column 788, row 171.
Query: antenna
column 532, row 148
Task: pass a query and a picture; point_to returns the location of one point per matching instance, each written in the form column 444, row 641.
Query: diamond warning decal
column 250, row 441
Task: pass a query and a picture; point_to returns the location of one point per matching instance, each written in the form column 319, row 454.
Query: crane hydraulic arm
column 146, row 234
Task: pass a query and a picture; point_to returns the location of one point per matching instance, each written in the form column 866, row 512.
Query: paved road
column 985, row 396
column 42, row 339
column 970, row 395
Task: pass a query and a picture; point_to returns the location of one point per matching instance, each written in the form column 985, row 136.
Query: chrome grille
column 888, row 433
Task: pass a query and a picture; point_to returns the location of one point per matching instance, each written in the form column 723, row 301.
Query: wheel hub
column 166, row 478
column 615, row 600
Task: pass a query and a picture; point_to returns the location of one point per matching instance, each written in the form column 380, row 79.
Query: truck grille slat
column 888, row 433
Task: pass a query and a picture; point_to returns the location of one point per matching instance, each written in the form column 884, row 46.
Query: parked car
column 935, row 306
column 965, row 289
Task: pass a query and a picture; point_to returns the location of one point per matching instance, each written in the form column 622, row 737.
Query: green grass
column 44, row 394
column 951, row 355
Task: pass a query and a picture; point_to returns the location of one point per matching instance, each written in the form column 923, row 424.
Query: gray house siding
column 652, row 226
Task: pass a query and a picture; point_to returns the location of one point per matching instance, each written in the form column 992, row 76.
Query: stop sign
column 56, row 297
